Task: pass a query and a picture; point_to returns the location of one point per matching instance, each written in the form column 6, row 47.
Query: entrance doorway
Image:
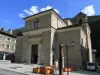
column 34, row 53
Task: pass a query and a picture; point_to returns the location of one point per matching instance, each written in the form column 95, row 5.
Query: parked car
column 93, row 66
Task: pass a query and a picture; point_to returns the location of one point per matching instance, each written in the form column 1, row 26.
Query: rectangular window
column 9, row 39
column 3, row 45
column 8, row 46
column 36, row 24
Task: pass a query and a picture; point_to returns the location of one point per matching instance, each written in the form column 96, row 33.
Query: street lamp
column 71, row 45
column 61, row 55
column 60, row 59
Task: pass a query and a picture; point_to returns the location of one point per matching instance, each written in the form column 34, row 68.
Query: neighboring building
column 38, row 42
column 7, row 45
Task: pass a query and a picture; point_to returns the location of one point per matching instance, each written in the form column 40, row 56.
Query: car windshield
column 91, row 64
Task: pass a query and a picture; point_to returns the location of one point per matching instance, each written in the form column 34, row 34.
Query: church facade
column 38, row 41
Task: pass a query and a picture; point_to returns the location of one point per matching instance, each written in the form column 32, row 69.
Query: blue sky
column 12, row 11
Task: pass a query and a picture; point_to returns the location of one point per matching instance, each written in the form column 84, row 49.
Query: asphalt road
column 5, row 72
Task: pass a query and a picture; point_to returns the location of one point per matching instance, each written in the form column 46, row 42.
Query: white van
column 92, row 66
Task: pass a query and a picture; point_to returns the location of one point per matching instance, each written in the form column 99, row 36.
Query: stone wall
column 19, row 49
column 23, row 51
column 26, row 51
column 74, row 53
column 45, row 48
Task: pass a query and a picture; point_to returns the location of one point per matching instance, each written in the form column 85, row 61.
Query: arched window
column 36, row 24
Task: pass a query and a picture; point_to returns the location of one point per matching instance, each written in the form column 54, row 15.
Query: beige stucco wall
column 61, row 23
column 84, row 50
column 44, row 22
column 87, row 32
column 68, row 22
column 52, row 44
column 56, row 21
column 83, row 36
column 12, row 44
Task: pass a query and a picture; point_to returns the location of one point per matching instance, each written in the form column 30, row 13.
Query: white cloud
column 28, row 12
column 89, row 10
column 47, row 8
column 56, row 11
column 21, row 15
column 34, row 9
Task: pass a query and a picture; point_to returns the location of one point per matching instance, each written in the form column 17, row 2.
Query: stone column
column 29, row 54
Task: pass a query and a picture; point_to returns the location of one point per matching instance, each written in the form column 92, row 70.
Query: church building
column 38, row 41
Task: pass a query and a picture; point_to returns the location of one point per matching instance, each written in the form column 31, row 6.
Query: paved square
column 21, row 69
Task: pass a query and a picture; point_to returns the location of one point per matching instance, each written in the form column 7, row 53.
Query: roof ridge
column 38, row 13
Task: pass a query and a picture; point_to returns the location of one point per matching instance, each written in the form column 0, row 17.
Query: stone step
column 5, row 61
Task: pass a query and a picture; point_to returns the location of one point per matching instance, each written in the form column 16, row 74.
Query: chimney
column 9, row 31
column 2, row 29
